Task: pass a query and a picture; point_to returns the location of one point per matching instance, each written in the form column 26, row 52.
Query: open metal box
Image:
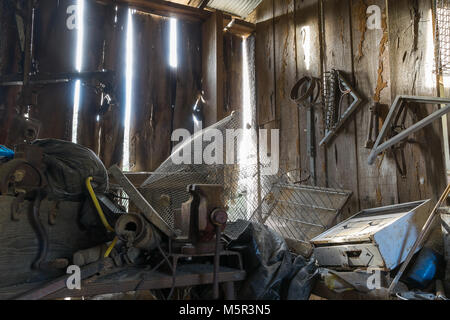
column 374, row 238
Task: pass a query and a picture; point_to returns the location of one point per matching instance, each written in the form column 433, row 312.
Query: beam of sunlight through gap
column 247, row 149
column 173, row 55
column 78, row 67
column 128, row 91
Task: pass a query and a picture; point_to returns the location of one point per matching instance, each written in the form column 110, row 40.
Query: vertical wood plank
column 151, row 114
column 285, row 77
column 342, row 160
column 95, row 16
column 189, row 73
column 265, row 66
column 55, row 53
column 233, row 77
column 309, row 63
column 411, row 63
column 112, row 121
column 378, row 183
column 9, row 63
column 212, row 68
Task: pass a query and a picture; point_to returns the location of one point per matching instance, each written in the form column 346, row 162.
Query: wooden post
column 212, row 68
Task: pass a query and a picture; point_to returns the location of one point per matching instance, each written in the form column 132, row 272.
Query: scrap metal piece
column 394, row 112
column 141, row 203
column 416, row 295
column 334, row 117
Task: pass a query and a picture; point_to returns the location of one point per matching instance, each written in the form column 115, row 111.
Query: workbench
column 132, row 278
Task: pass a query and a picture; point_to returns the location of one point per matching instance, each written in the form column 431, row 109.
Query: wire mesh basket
column 296, row 211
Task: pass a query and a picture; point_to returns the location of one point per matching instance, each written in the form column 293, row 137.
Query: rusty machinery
column 202, row 219
column 199, row 226
column 196, row 233
column 23, row 178
column 142, row 240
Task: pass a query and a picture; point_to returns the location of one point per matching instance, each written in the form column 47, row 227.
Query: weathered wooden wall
column 95, row 18
column 55, row 49
column 111, row 131
column 9, row 63
column 162, row 97
column 158, row 88
column 212, row 68
column 188, row 74
column 151, row 109
column 233, row 73
column 412, row 53
column 380, row 63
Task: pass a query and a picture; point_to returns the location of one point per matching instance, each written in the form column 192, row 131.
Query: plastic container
column 424, row 269
column 6, row 153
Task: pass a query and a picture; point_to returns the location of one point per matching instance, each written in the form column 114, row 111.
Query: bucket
column 424, row 269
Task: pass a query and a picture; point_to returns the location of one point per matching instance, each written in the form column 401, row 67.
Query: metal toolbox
column 374, row 238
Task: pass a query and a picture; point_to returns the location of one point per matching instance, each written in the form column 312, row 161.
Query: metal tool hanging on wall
column 394, row 127
column 374, row 128
column 335, row 89
column 305, row 94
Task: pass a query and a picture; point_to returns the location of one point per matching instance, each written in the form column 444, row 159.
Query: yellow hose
column 97, row 205
column 101, row 214
column 111, row 246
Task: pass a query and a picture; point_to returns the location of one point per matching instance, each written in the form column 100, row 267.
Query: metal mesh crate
column 443, row 36
column 297, row 212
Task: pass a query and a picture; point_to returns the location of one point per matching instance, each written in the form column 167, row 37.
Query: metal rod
column 399, row 100
column 216, row 265
column 405, row 133
column 43, row 79
column 25, row 99
column 308, row 205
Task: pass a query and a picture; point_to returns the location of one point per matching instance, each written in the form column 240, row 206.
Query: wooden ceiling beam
column 238, row 27
column 162, row 8
column 172, row 9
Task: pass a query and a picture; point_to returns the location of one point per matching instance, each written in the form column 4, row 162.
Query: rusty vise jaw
column 201, row 214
